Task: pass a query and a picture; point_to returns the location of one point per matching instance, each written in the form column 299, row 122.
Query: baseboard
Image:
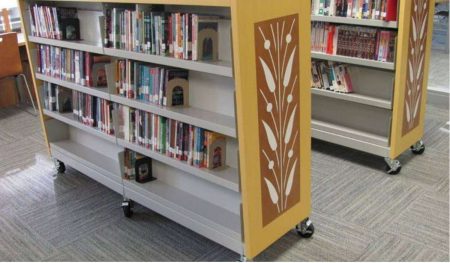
column 438, row 98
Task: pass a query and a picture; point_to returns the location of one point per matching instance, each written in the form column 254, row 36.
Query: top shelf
column 218, row 3
column 354, row 21
column 220, row 68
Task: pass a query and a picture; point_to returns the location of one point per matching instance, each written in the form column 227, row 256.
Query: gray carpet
column 359, row 212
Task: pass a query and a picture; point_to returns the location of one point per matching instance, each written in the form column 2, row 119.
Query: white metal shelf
column 90, row 162
column 209, row 120
column 77, row 45
column 69, row 119
column 97, row 92
column 226, row 177
column 359, row 140
column 221, row 68
column 354, row 61
column 352, row 97
column 201, row 216
column 355, row 21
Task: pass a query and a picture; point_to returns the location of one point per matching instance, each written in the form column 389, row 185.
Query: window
column 9, row 10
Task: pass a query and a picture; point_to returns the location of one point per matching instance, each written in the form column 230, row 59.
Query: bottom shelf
column 94, row 164
column 351, row 138
column 203, row 217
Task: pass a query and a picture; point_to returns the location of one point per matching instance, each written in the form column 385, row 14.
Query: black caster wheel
column 60, row 167
column 127, row 208
column 393, row 167
column 391, row 171
column 418, row 148
column 305, row 229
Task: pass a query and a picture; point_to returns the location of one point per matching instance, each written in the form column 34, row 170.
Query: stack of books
column 54, row 22
column 76, row 66
column 151, row 83
column 175, row 139
column 354, row 41
column 178, row 35
column 360, row 9
column 331, row 76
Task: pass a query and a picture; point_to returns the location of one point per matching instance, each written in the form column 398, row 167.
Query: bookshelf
column 236, row 205
column 378, row 117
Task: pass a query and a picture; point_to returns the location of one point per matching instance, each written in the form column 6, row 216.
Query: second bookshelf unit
column 369, row 75
column 225, row 127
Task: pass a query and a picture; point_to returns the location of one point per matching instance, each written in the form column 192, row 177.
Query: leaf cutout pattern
column 288, row 72
column 291, row 179
column 424, row 23
column 416, row 108
column 290, row 126
column 278, row 93
column 408, row 112
column 269, row 76
column 416, row 63
column 272, row 191
column 270, row 137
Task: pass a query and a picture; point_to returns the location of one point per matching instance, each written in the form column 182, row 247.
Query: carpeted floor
column 359, row 212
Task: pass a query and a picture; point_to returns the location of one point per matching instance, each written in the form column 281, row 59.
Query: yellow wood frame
column 244, row 15
column 398, row 142
column 35, row 82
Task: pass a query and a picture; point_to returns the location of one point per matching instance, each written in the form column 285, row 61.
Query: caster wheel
column 391, row 171
column 393, row 167
column 60, row 167
column 127, row 208
column 305, row 229
column 418, row 148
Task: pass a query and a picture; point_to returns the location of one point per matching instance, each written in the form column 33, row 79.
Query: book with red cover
column 391, row 10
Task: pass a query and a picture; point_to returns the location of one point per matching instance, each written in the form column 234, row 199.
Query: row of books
column 360, row 9
column 54, row 22
column 193, row 145
column 331, row 76
column 179, row 35
column 137, row 167
column 89, row 110
column 354, row 41
column 93, row 111
column 76, row 66
column 158, row 85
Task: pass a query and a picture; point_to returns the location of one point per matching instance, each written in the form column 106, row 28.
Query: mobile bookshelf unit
column 385, row 113
column 257, row 95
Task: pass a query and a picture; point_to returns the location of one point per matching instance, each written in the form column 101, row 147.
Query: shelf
column 97, row 92
column 226, row 177
column 354, row 61
column 218, row 3
column 359, row 140
column 77, row 45
column 209, row 120
column 69, row 119
column 90, row 162
column 203, row 217
column 221, row 68
column 352, row 97
column 354, row 21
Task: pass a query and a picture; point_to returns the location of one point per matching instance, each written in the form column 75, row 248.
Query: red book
column 88, row 69
column 391, row 10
